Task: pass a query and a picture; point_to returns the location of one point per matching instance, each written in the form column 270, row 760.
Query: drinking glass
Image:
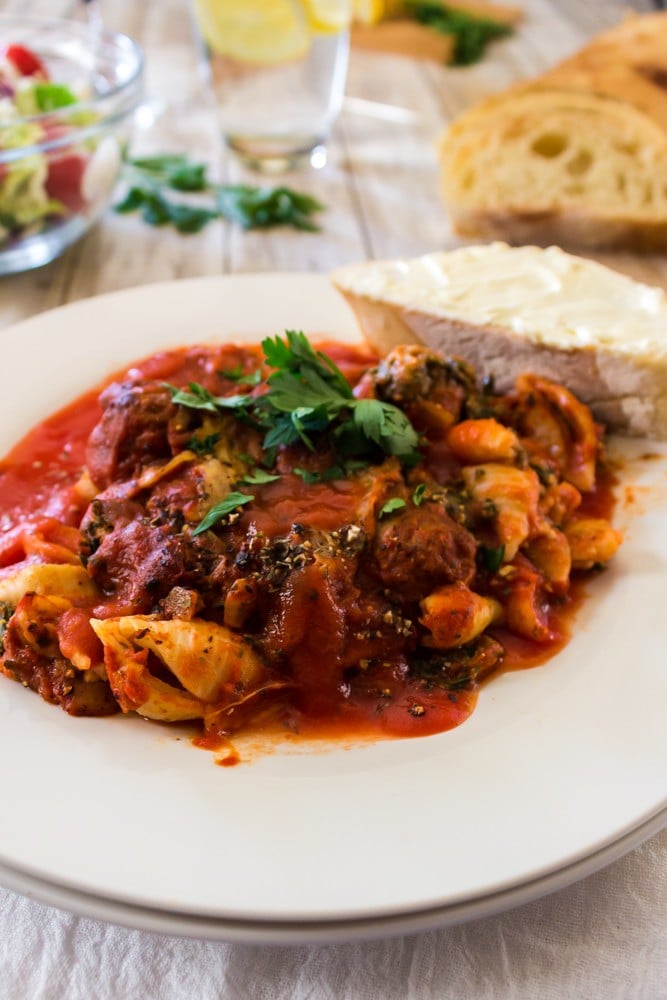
column 277, row 69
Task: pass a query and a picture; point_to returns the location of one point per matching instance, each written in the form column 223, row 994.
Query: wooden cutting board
column 405, row 37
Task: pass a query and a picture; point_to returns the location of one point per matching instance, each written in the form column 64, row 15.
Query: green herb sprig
column 307, row 394
column 150, row 179
column 392, row 505
column 196, row 397
column 491, row 558
column 229, row 505
column 471, row 34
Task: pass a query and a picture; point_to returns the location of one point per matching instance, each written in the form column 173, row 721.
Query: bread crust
column 572, row 229
column 627, row 395
column 619, row 84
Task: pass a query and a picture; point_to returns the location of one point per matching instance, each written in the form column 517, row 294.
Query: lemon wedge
column 372, row 11
column 255, row 31
column 328, row 16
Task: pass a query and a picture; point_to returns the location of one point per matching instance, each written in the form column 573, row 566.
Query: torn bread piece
column 576, row 156
column 512, row 310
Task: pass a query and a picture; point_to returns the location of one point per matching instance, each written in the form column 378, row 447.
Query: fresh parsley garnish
column 227, row 506
column 203, row 446
column 151, row 178
column 338, row 471
column 257, row 477
column 308, row 477
column 491, row 558
column 471, row 34
column 242, row 378
column 197, row 397
column 418, row 495
column 391, row 505
column 307, row 393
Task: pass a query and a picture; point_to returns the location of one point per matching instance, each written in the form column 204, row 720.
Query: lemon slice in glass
column 328, row 16
column 255, row 31
column 372, row 11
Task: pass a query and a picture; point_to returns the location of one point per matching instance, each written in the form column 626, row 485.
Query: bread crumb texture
column 578, row 156
column 526, row 309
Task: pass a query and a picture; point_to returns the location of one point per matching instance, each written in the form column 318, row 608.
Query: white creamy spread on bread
column 547, row 295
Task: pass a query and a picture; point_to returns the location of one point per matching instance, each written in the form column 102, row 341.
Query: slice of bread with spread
column 512, row 310
column 576, row 157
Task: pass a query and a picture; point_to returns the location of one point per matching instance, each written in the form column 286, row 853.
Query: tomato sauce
column 38, row 478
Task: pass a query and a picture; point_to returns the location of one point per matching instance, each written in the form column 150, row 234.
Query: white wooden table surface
column 380, row 189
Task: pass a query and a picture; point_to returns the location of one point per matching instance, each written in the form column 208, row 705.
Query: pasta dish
column 282, row 537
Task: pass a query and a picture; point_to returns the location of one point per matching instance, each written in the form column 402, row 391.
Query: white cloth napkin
column 605, row 937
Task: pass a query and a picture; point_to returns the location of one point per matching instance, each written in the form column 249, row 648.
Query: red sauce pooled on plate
column 308, row 626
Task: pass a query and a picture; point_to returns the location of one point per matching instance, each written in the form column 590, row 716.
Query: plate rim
column 156, row 920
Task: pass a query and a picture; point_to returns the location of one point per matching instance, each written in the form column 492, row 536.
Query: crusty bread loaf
column 576, row 157
column 512, row 310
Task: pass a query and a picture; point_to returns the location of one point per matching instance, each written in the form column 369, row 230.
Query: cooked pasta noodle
column 252, row 539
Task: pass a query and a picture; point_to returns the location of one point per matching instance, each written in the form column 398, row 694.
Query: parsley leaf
column 391, row 505
column 197, row 397
column 150, row 177
column 387, row 426
column 227, row 506
column 313, row 393
column 157, row 210
column 418, row 495
column 471, row 34
column 259, row 208
column 173, row 170
column 307, row 476
column 257, row 477
column 490, row 558
column 238, row 375
column 306, row 395
column 203, row 446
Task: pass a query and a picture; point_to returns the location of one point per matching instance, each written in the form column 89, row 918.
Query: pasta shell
column 48, row 579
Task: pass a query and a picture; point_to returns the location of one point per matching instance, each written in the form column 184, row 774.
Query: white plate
column 558, row 768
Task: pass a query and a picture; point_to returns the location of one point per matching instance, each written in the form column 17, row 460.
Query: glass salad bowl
column 68, row 93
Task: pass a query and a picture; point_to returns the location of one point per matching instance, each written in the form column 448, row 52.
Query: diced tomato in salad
column 64, row 181
column 25, row 61
column 43, row 188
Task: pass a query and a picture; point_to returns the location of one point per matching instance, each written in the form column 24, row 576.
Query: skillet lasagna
column 277, row 536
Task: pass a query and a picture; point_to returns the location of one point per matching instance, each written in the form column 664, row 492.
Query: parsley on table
column 261, row 208
column 151, row 178
column 157, row 210
column 471, row 34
